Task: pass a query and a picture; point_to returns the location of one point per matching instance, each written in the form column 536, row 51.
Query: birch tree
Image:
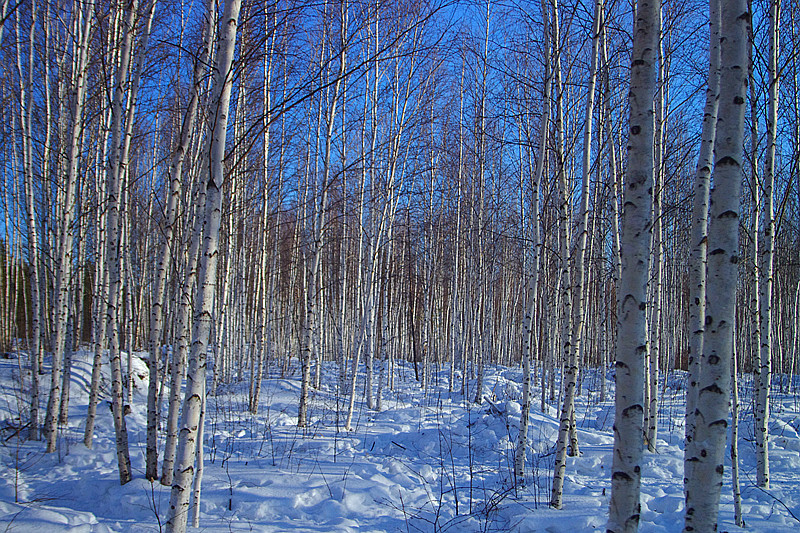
column 765, row 268
column 207, row 276
column 579, row 293
column 564, row 279
column 312, row 316
column 66, row 237
column 26, row 123
column 632, row 334
column 531, row 292
column 116, row 168
column 711, row 418
column 268, row 271
column 656, row 251
column 176, row 186
column 697, row 257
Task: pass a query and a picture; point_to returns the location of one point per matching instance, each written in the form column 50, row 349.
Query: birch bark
column 313, row 301
column 267, row 274
column 624, row 506
column 656, row 251
column 207, row 275
column 64, row 264
column 579, row 286
column 713, row 403
column 176, row 185
column 699, row 236
column 117, row 165
column 765, row 270
column 26, row 115
column 531, row 298
column 564, row 279
column 737, row 493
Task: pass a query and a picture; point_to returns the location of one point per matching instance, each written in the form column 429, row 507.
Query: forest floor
column 428, row 461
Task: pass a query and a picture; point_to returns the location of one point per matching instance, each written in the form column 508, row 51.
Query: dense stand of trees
column 273, row 186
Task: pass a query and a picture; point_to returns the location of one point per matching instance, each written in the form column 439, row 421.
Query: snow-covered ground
column 427, row 461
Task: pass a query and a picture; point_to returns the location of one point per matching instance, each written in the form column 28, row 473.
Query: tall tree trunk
column 531, row 293
column 656, row 252
column 482, row 333
column 579, row 286
column 267, row 275
column 117, row 166
column 100, row 289
column 26, row 122
column 180, row 347
column 737, row 493
column 765, row 270
column 699, row 243
column 207, row 276
column 313, row 315
column 624, row 507
column 64, row 264
column 569, row 375
column 182, row 340
column 152, row 417
column 703, row 489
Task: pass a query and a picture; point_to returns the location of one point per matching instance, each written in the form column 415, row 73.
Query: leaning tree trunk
column 64, row 270
column 181, row 342
column 100, row 286
column 125, row 151
column 3, row 10
column 167, row 249
column 711, row 419
column 180, row 348
column 116, row 168
column 207, row 276
column 632, row 332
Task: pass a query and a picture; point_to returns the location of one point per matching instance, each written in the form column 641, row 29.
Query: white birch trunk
column 180, row 347
column 100, row 289
column 699, row 235
column 64, row 270
column 531, row 296
column 3, row 10
column 26, row 114
column 579, row 286
column 181, row 344
column 152, row 420
column 312, row 319
column 711, row 419
column 207, row 277
column 117, row 165
column 765, row 270
column 737, row 493
column 624, row 507
column 656, row 253
column 569, row 375
column 267, row 274
column 199, row 461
